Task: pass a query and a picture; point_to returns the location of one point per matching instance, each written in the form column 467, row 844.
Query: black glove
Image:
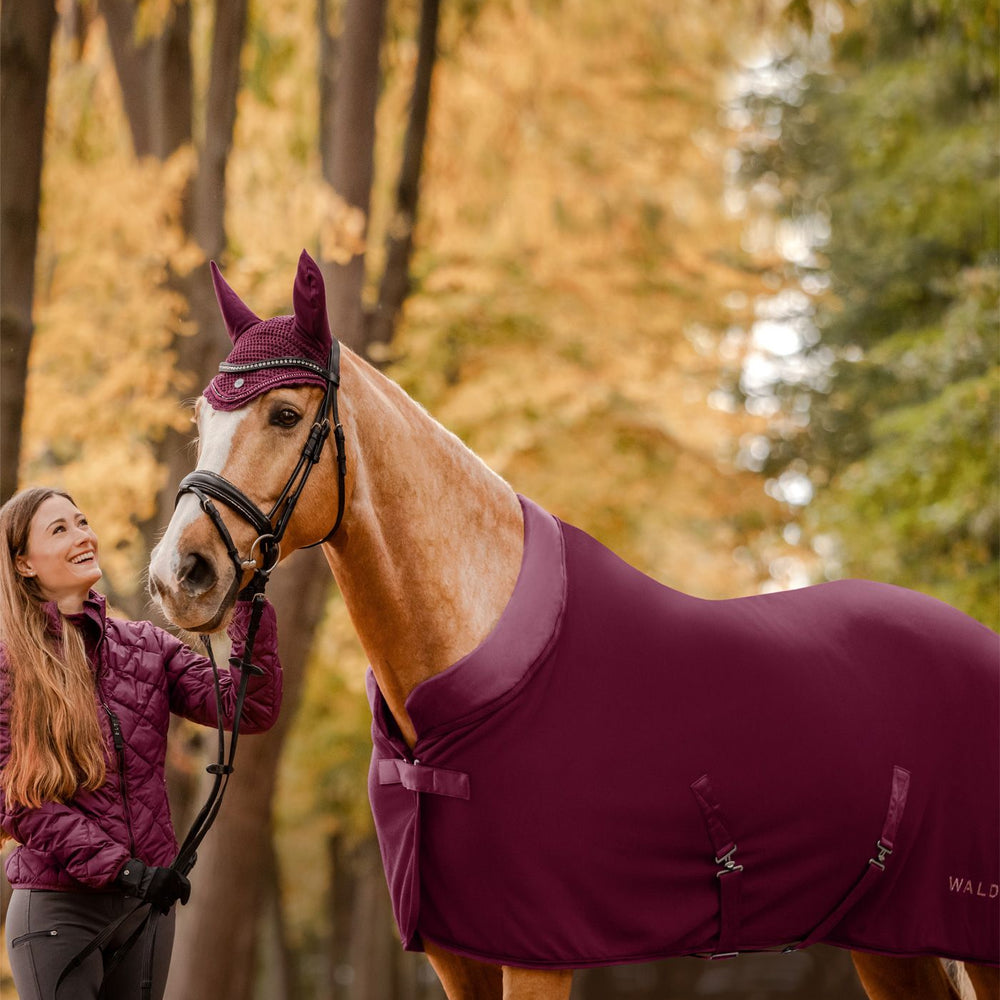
column 160, row 887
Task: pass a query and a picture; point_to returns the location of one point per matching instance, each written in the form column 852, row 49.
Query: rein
column 266, row 548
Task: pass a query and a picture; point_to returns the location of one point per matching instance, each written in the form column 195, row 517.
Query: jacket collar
column 94, row 614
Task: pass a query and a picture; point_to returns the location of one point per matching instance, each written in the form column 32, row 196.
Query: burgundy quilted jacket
column 143, row 674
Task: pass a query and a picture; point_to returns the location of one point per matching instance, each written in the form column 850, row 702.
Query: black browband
column 271, row 527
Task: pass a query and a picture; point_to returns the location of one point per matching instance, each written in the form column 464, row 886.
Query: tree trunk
column 25, row 44
column 365, row 958
column 276, row 979
column 155, row 77
column 374, row 952
column 149, row 74
column 170, row 85
column 341, row 914
column 215, row 950
column 131, row 66
column 399, row 240
column 208, row 205
column 351, row 164
column 329, row 47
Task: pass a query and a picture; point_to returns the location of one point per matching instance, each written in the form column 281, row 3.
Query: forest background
column 719, row 283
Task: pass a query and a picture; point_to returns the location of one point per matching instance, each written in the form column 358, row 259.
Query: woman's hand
column 160, row 887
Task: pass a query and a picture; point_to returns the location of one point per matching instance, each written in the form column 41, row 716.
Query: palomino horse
column 506, row 860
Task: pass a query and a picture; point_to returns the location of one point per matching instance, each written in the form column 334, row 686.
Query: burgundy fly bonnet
column 304, row 339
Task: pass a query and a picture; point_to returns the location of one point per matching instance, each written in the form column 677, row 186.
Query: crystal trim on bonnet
column 253, row 366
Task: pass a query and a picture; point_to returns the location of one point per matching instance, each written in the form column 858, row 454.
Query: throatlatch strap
column 730, row 874
column 876, row 864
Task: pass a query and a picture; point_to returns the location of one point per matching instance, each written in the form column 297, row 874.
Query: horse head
column 268, row 436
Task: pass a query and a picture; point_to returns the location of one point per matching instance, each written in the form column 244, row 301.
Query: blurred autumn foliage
column 880, row 158
column 598, row 296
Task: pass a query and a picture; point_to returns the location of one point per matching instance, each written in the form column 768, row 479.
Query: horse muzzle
column 192, row 579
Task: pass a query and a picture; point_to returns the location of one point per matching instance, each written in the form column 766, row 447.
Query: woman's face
column 61, row 552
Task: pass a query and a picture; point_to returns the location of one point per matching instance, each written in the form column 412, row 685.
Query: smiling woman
column 61, row 554
column 85, row 704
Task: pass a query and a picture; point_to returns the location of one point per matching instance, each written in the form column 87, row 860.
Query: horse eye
column 285, row 417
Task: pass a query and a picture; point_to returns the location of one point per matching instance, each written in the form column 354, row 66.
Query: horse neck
column 430, row 546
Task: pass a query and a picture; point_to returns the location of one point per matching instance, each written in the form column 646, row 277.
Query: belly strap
column 729, row 873
column 876, row 864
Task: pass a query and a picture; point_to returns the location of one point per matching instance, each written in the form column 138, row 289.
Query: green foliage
column 895, row 145
column 920, row 507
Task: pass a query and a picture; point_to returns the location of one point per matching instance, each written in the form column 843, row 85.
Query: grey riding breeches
column 47, row 930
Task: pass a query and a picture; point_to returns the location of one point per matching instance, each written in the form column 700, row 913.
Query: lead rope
column 187, row 853
column 221, row 770
column 223, row 767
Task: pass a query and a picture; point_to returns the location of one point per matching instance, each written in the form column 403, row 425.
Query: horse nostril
column 196, row 574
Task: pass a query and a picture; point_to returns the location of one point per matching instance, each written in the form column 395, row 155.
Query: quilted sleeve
column 58, row 830
column 189, row 676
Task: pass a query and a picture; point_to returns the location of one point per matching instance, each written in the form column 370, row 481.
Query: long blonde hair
column 56, row 745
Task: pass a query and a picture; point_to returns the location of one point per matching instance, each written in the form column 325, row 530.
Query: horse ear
column 237, row 316
column 309, row 302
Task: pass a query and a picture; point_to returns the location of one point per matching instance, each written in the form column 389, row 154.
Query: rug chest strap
column 876, row 864
column 417, row 777
column 729, row 874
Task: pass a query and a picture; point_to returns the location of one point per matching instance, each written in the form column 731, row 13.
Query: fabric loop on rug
column 418, row 777
column 718, row 829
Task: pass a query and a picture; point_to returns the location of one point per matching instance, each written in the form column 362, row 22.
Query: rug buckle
column 728, row 865
column 883, row 853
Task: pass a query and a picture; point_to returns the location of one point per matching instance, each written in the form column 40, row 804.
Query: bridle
column 265, row 550
column 266, row 547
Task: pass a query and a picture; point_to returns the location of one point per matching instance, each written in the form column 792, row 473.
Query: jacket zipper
column 119, row 741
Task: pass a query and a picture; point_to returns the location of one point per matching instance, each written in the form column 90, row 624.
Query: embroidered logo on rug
column 970, row 887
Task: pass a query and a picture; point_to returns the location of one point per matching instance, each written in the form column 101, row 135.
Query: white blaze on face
column 216, row 430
